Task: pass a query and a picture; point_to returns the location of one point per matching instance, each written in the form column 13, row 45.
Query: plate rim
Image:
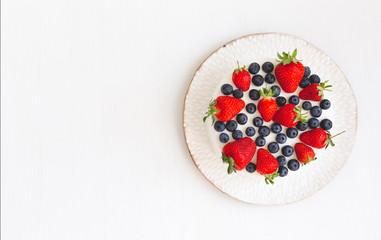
column 260, row 34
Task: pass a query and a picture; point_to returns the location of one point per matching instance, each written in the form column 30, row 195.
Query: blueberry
column 250, row 167
column 257, row 80
column 281, row 160
column 305, row 82
column 281, row 101
column 257, row 121
column 273, row 147
column 326, row 124
column 325, row 104
column 283, row 171
column 264, row 131
column 281, row 138
column 313, row 123
column 224, row 138
column 269, row 78
column 251, row 108
column 314, row 78
column 301, row 126
column 307, row 71
column 277, row 90
column 250, row 131
column 293, row 165
column 237, row 134
column 316, row 111
column 287, row 150
column 241, row 118
column 226, row 89
column 260, row 141
column 231, row 125
column 254, row 68
column 254, row 94
column 291, row 132
column 276, row 128
column 238, row 93
column 219, row 126
column 267, row 67
column 294, row 100
column 307, row 105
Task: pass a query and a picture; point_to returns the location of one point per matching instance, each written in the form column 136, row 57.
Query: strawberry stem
column 322, row 87
column 300, row 116
column 229, row 161
column 310, row 159
column 239, row 69
column 287, row 58
column 266, row 93
column 211, row 111
column 269, row 178
column 329, row 139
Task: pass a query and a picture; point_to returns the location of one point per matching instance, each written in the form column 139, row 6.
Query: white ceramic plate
column 202, row 139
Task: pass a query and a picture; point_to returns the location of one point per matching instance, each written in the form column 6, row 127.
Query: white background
column 92, row 142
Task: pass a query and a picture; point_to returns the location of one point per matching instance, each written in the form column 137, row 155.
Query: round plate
column 202, row 140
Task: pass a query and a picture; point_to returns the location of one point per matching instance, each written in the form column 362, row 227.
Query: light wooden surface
column 91, row 107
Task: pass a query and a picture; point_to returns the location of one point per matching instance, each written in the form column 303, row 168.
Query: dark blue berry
column 276, row 128
column 250, row 167
column 281, row 160
column 273, row 147
column 314, row 78
column 283, row 171
column 254, row 68
column 257, row 80
column 307, row 105
column 219, row 126
column 264, row 131
column 267, row 67
column 257, row 121
column 238, row 93
column 224, row 138
column 250, row 131
column 294, row 100
column 226, row 89
column 269, row 78
column 287, row 151
column 305, row 82
column 325, row 104
column 231, row 125
column 293, row 165
column 301, row 126
column 237, row 134
column 313, row 123
column 260, row 141
column 241, row 118
column 251, row 108
column 281, row 101
column 316, row 111
column 281, row 138
column 307, row 71
column 277, row 92
column 254, row 94
column 326, row 124
column 291, row 132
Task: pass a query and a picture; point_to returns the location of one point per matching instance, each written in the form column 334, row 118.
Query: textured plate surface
column 203, row 143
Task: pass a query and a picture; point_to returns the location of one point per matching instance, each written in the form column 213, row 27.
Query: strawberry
column 314, row 92
column 289, row 72
column 267, row 165
column 304, row 153
column 318, row 138
column 241, row 78
column 267, row 106
column 238, row 153
column 289, row 115
column 224, row 108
